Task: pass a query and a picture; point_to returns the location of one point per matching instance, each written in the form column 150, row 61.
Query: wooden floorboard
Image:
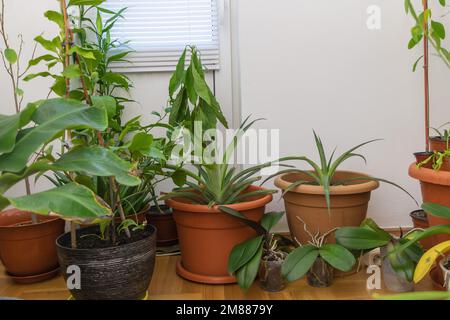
column 167, row 285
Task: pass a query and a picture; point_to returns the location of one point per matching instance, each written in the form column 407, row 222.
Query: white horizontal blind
column 159, row 30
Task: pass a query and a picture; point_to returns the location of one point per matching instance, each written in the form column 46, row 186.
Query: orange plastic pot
column 207, row 236
column 27, row 250
column 435, row 187
column 307, row 204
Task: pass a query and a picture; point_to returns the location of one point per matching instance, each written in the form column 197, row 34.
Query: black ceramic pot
column 120, row 272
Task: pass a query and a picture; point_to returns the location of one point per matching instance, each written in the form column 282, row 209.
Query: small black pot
column 120, row 272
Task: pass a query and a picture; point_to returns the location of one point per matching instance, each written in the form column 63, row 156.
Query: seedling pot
column 207, row 236
column 115, row 272
column 307, row 202
column 28, row 250
column 392, row 280
column 321, row 274
column 437, row 144
column 444, row 266
column 435, row 187
column 270, row 277
column 165, row 224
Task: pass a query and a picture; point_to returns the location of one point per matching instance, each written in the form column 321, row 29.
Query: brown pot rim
column 334, row 190
column 203, row 208
column 429, row 175
column 437, row 138
column 49, row 219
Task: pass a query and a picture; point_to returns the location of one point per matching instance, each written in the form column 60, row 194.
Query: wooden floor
column 167, row 285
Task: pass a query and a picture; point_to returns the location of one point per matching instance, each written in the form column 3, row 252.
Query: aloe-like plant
column 218, row 183
column 322, row 174
column 369, row 236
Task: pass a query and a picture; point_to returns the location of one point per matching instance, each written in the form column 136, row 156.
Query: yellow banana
column 427, row 260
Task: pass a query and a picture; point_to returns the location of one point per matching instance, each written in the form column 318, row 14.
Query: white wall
column 314, row 64
column 307, row 64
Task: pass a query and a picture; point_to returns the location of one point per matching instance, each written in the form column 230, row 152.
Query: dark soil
column 447, row 265
column 419, row 214
column 89, row 238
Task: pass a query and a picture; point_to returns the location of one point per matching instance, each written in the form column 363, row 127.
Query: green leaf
column 359, row 238
column 83, row 52
column 52, row 117
column 45, row 57
column 141, row 142
column 438, row 29
column 70, row 201
column 115, row 78
column 11, row 55
column 247, row 274
column 59, row 86
column 9, row 126
column 19, row 92
column 299, row 261
column 243, row 253
column 178, row 75
column 85, row 2
column 179, row 177
column 437, row 210
column 52, row 45
column 200, row 86
column 416, row 63
column 98, row 161
column 105, row 102
column 442, row 2
column 369, row 223
column 55, row 17
column 43, row 74
column 72, row 71
column 421, row 295
column 337, row 256
column 270, row 220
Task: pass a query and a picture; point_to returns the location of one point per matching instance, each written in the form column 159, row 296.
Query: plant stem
column 73, row 235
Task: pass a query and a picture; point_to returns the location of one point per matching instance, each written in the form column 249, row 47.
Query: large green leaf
column 337, row 256
column 270, row 220
column 243, row 253
column 429, row 232
column 70, row 201
column 247, row 274
column 360, row 238
column 106, row 102
column 97, row 161
column 434, row 209
column 52, row 117
column 9, row 126
column 299, row 261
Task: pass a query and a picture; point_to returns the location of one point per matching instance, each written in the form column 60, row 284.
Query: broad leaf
column 359, row 238
column 434, row 209
column 270, row 220
column 11, row 55
column 52, row 117
column 299, row 261
column 71, row 201
column 106, row 102
column 337, row 256
column 243, row 253
column 247, row 274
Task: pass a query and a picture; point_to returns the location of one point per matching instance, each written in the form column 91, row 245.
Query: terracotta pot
column 435, row 187
column 28, row 250
column 437, row 144
column 121, row 272
column 208, row 235
column 421, row 156
column 165, row 224
column 348, row 204
column 420, row 220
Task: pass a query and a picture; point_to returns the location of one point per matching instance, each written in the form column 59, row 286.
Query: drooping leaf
column 55, row 17
column 243, row 253
column 270, row 220
column 247, row 274
column 359, row 238
column 70, row 201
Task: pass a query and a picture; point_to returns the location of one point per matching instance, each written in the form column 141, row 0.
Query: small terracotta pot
column 420, row 220
column 437, row 144
column 348, row 204
column 28, row 250
column 165, row 224
column 435, row 187
column 208, row 235
column 422, row 156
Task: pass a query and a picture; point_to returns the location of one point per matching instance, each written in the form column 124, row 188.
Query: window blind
column 159, row 30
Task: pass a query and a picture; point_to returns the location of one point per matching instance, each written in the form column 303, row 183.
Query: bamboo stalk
column 426, row 78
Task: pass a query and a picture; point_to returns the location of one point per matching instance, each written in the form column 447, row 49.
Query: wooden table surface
column 167, row 285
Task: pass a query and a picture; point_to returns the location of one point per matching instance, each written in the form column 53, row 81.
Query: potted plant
column 434, row 184
column 317, row 259
column 325, row 197
column 262, row 256
column 125, row 248
column 397, row 267
column 26, row 239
